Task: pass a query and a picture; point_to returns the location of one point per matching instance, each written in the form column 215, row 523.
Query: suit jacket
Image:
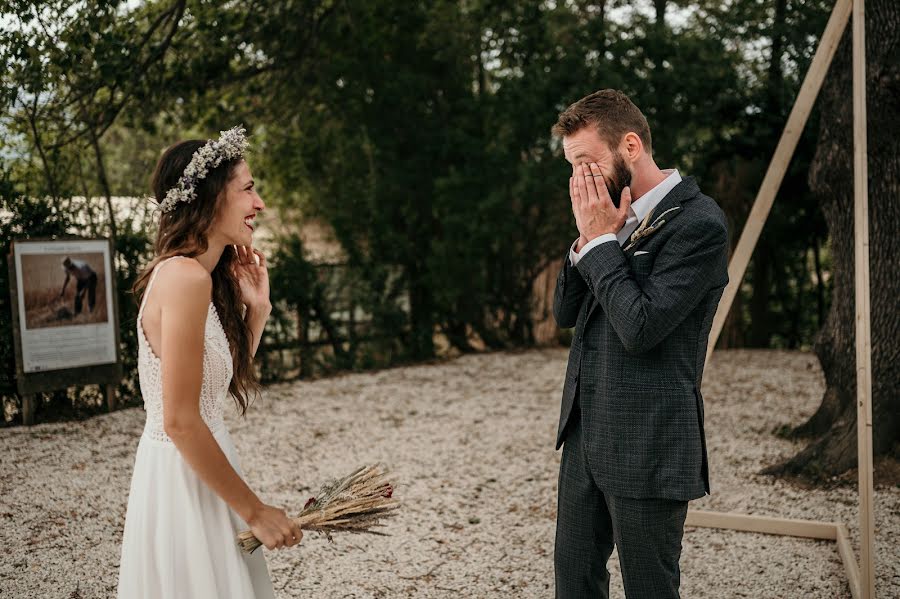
column 642, row 318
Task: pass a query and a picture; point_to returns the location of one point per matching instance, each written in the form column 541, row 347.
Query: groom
column 640, row 285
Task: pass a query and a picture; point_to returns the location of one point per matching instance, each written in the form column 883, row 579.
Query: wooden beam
column 863, row 329
column 29, row 401
column 809, row 529
column 846, row 552
column 111, row 397
column 809, row 90
column 836, row 531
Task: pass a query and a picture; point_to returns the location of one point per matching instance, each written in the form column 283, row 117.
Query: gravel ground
column 471, row 441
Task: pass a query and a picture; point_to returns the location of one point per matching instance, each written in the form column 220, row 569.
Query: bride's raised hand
column 252, row 276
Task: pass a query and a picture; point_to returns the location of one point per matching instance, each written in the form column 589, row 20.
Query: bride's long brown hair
column 183, row 232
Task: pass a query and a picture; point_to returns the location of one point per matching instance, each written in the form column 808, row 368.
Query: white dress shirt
column 637, row 213
column 79, row 269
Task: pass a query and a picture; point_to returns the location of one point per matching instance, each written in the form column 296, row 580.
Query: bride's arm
column 185, row 296
column 183, row 321
column 256, row 318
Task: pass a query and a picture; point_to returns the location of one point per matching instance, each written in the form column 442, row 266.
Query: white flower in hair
column 231, row 144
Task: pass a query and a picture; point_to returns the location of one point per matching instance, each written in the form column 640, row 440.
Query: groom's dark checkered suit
column 632, row 413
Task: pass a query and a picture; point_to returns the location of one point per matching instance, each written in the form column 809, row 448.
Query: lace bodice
column 217, row 371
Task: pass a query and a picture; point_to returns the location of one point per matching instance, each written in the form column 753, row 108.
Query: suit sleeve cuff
column 574, row 256
column 605, row 260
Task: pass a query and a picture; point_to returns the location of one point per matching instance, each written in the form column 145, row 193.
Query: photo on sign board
column 64, row 289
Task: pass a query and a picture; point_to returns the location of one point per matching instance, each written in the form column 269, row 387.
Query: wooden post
column 812, row 83
column 845, row 550
column 351, row 335
column 863, row 331
column 111, row 398
column 28, row 404
column 303, row 339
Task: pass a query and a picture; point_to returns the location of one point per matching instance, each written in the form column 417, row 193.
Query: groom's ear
column 632, row 146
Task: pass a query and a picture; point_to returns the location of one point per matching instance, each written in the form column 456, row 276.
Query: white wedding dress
column 180, row 536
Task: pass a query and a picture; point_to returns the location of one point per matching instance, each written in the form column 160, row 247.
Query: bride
column 204, row 303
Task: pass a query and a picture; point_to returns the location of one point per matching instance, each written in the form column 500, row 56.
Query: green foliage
column 785, row 302
column 418, row 134
column 425, row 144
column 324, row 300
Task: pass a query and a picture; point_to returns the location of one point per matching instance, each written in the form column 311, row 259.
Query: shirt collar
column 647, row 202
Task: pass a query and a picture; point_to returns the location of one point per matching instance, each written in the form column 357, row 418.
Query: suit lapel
column 667, row 209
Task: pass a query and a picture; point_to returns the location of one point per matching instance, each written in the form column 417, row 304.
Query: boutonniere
column 645, row 230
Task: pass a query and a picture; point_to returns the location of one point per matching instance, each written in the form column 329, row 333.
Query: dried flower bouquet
column 356, row 503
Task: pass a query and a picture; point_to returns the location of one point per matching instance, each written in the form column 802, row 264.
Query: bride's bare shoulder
column 184, row 279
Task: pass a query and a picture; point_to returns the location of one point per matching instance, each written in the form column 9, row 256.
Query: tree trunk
column 776, row 74
column 659, row 7
column 317, row 303
column 820, row 284
column 761, row 328
column 421, row 313
column 764, row 268
column 731, row 185
column 831, row 178
column 104, row 183
column 457, row 335
column 52, row 185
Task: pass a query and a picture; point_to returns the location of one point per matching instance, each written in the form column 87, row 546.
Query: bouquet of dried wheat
column 356, row 503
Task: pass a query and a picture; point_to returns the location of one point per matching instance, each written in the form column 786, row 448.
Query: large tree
column 833, row 427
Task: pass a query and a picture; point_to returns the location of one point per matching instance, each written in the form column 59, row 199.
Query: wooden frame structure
column 861, row 576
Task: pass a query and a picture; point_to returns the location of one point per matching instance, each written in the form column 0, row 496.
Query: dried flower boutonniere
column 645, row 230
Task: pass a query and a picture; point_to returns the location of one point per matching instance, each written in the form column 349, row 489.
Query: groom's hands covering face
column 592, row 206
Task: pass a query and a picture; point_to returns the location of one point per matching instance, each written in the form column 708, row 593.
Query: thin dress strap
column 150, row 284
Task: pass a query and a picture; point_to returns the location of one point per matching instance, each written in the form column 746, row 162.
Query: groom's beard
column 621, row 178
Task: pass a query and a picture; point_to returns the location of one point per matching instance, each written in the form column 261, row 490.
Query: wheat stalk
column 356, row 503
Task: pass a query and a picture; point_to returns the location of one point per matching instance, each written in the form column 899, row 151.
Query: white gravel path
column 472, row 443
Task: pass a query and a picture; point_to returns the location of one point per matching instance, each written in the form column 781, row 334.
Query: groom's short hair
column 611, row 112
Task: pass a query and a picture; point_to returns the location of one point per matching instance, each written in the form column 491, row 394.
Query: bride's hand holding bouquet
column 273, row 528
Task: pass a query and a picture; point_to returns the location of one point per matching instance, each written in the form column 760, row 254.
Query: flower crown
column 230, row 145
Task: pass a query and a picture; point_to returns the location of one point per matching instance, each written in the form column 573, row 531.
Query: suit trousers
column 589, row 522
